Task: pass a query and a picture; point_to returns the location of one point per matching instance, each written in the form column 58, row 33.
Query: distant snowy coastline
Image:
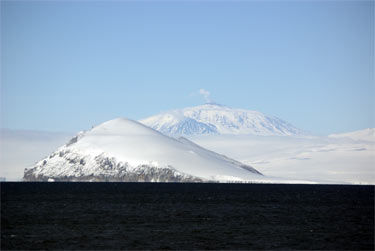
column 125, row 150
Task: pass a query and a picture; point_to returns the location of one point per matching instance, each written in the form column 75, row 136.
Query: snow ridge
column 213, row 118
column 360, row 135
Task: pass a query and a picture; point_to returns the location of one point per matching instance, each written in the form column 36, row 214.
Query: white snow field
column 273, row 146
column 361, row 135
column 218, row 119
column 347, row 158
column 122, row 148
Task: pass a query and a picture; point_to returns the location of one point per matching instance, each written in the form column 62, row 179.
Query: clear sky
column 68, row 65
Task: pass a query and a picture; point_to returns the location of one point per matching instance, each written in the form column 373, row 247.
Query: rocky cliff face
column 110, row 171
column 71, row 166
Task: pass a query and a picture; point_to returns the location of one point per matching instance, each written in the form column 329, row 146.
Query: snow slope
column 218, row 119
column 325, row 159
column 363, row 135
column 126, row 150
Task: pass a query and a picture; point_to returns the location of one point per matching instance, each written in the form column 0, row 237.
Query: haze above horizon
column 68, row 65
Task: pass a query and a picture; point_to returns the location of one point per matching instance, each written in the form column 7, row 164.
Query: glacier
column 339, row 158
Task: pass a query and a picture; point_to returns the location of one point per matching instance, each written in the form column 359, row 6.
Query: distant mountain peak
column 213, row 118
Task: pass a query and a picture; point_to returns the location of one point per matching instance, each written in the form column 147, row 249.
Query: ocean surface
column 109, row 216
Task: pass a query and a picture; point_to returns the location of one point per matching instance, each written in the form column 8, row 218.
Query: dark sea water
column 185, row 216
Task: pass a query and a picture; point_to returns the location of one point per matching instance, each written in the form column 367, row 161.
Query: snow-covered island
column 126, row 150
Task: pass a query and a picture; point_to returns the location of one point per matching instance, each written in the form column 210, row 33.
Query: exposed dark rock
column 107, row 169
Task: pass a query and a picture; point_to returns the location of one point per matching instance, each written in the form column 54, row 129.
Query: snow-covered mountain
column 126, row 150
column 218, row 119
column 363, row 135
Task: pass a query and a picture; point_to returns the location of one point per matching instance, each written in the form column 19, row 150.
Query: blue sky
column 68, row 65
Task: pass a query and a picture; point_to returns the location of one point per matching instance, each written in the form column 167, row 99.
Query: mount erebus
column 213, row 118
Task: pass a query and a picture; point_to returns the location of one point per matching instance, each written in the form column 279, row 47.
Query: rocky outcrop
column 104, row 169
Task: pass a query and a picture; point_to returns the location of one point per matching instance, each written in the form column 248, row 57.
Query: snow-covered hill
column 218, row 119
column 363, row 135
column 126, row 150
